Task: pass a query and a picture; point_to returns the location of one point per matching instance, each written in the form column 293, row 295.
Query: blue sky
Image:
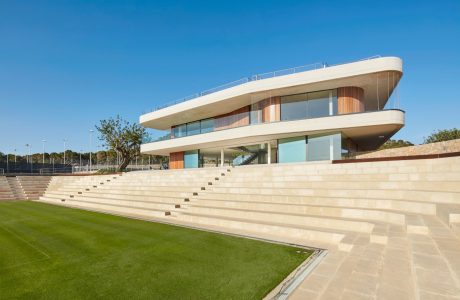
column 64, row 65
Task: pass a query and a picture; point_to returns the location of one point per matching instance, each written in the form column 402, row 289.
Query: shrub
column 443, row 135
column 395, row 144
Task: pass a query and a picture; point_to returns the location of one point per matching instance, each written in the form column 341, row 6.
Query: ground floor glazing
column 286, row 150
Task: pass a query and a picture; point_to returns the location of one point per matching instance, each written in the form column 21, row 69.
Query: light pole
column 14, row 156
column 44, row 141
column 65, row 140
column 81, row 150
column 28, row 151
column 90, row 141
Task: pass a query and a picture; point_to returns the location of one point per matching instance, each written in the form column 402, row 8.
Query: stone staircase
column 16, row 188
column 5, row 189
column 23, row 187
column 391, row 228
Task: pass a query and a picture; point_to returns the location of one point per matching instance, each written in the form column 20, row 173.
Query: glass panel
column 334, row 102
column 207, row 125
column 193, row 128
column 318, row 104
column 248, row 154
column 336, row 146
column 180, row 130
column 324, row 147
column 292, row 149
column 191, row 159
column 294, row 107
column 256, row 114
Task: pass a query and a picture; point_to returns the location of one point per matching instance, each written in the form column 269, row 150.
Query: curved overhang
column 369, row 130
column 377, row 77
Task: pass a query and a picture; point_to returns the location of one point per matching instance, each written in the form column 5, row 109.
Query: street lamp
column 28, row 150
column 90, row 148
column 44, row 141
column 81, row 150
column 65, row 140
column 15, row 156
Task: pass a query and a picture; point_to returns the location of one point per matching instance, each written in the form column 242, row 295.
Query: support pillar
column 221, row 157
column 269, row 154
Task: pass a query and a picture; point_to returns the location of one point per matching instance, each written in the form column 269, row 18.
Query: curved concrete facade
column 371, row 75
column 355, row 126
column 344, row 102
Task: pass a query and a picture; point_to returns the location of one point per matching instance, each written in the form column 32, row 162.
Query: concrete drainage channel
column 290, row 283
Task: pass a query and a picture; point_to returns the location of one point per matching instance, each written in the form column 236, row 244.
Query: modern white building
column 310, row 113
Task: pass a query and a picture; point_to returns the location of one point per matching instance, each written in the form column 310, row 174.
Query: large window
column 207, row 125
column 324, row 147
column 191, row 159
column 309, row 105
column 292, row 150
column 180, row 131
column 294, row 107
column 193, row 128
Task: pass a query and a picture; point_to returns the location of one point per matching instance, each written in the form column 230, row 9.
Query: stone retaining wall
column 433, row 148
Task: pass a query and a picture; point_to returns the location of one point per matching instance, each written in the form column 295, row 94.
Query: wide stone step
column 305, row 235
column 373, row 203
column 445, row 186
column 163, row 206
column 147, row 213
column 396, row 177
column 282, row 218
column 311, row 210
column 421, row 196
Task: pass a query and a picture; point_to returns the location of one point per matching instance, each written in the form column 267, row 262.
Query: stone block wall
column 433, row 148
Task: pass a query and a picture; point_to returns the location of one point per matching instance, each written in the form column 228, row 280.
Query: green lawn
column 51, row 252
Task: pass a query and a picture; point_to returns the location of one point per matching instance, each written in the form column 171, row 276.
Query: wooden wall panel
column 350, row 100
column 176, row 160
column 236, row 118
column 270, row 108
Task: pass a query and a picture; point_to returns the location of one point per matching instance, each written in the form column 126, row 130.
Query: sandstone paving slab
column 347, row 294
column 393, row 292
column 362, row 283
column 425, row 248
column 435, row 282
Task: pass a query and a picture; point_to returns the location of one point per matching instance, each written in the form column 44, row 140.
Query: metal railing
column 260, row 76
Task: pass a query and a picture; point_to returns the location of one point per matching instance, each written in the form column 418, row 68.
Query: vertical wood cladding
column 271, row 109
column 176, row 160
column 236, row 118
column 270, row 112
column 350, row 100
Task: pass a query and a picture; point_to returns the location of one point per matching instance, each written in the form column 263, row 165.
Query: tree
column 395, row 144
column 443, row 135
column 123, row 137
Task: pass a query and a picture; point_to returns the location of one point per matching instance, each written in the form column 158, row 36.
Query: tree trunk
column 125, row 159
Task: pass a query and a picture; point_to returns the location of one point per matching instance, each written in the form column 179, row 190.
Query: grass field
column 51, row 252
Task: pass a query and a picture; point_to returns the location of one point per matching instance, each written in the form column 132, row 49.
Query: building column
column 221, row 157
column 269, row 153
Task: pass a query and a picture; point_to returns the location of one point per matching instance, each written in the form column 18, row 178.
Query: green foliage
column 395, row 144
column 443, row 135
column 123, row 137
column 62, row 253
column 107, row 171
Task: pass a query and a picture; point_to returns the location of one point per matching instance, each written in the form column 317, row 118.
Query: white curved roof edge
column 387, row 120
column 336, row 72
